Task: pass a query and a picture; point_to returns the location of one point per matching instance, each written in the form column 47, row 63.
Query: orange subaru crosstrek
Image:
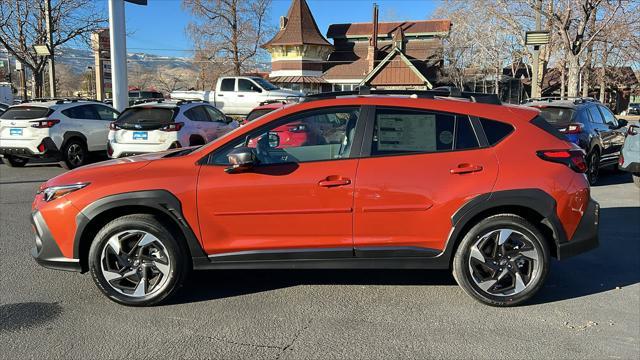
column 399, row 180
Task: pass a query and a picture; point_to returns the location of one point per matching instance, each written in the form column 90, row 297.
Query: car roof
column 570, row 103
column 169, row 104
column 57, row 104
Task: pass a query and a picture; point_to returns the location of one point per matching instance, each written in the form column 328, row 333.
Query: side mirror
column 256, row 89
column 274, row 140
column 622, row 122
column 241, row 159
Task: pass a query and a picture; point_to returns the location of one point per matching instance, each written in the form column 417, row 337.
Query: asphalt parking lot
column 589, row 308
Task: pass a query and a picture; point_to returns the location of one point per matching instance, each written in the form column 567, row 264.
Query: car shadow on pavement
column 613, row 177
column 217, row 284
column 615, row 264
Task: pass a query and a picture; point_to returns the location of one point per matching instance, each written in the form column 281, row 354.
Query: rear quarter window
column 258, row 113
column 25, row 113
column 558, row 116
column 495, row 130
column 543, row 124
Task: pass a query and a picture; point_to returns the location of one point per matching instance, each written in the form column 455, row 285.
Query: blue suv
column 589, row 124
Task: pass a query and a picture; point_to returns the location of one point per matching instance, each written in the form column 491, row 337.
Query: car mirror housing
column 622, row 123
column 241, row 159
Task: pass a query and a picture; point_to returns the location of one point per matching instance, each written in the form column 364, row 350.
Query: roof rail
column 189, row 101
column 575, row 99
column 147, row 100
column 444, row 91
column 59, row 100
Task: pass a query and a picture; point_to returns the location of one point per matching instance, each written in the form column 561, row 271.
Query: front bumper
column 586, row 236
column 46, row 252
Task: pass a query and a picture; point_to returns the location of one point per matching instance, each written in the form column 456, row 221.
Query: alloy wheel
column 75, row 154
column 135, row 263
column 504, row 262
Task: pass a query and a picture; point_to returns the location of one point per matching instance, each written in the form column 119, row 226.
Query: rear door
column 85, row 120
column 226, row 97
column 417, row 169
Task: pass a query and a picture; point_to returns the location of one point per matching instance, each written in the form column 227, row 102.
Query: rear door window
column 228, row 85
column 197, row 113
column 84, row 112
column 596, row 117
column 25, row 113
column 145, row 118
column 105, row 112
column 403, row 131
column 215, row 114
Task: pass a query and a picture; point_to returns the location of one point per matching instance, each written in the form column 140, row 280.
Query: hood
column 285, row 93
column 109, row 169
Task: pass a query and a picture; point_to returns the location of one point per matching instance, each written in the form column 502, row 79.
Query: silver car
column 630, row 154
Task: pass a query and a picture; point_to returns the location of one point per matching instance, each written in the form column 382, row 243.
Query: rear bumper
column 46, row 252
column 123, row 150
column 586, row 236
column 633, row 167
column 29, row 148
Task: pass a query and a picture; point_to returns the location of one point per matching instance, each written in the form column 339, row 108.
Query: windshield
column 25, row 113
column 145, row 118
column 265, row 84
column 557, row 116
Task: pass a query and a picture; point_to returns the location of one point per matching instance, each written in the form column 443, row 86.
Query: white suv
column 61, row 130
column 162, row 125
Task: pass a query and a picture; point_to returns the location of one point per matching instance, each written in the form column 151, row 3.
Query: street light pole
column 535, row 88
column 52, row 69
column 118, row 54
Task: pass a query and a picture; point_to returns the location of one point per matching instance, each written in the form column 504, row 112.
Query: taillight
column 573, row 128
column 113, row 126
column 621, row 159
column 633, row 130
column 573, row 158
column 173, row 127
column 43, row 124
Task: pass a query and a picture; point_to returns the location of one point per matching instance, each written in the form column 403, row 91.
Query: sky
column 159, row 27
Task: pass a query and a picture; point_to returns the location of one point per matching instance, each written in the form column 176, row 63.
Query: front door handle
column 334, row 180
column 466, row 169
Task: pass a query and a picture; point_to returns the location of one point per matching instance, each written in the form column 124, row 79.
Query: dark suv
column 590, row 125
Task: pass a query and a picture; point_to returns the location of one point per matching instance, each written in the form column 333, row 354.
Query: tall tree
column 230, row 31
column 22, row 25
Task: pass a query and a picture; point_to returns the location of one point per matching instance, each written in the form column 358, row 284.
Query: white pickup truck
column 238, row 95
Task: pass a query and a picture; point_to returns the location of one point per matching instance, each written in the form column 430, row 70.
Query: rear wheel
column 135, row 260
column 593, row 170
column 502, row 261
column 14, row 161
column 74, row 154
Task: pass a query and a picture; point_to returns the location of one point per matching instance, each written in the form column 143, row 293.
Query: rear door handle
column 334, row 180
column 466, row 168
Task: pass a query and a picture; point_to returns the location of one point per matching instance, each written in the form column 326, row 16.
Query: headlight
column 54, row 192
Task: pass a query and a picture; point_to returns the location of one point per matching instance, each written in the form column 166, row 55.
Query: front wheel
column 14, row 161
column 137, row 261
column 502, row 261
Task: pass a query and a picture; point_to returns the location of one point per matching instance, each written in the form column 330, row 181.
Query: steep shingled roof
column 300, row 29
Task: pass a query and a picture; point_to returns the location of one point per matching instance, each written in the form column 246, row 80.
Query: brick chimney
column 372, row 50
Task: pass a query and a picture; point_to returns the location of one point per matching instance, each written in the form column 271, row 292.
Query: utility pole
column 52, row 68
column 118, row 54
column 535, row 88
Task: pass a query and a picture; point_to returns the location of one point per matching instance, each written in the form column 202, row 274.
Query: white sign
column 407, row 132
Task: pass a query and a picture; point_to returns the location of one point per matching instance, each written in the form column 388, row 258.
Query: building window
column 344, row 87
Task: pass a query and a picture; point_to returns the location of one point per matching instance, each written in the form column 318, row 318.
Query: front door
column 297, row 202
column 418, row 168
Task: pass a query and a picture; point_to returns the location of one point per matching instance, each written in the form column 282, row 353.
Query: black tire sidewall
column 593, row 157
column 504, row 221
column 149, row 224
column 14, row 161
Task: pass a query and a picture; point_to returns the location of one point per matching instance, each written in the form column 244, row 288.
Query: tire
column 636, row 179
column 74, row 154
column 494, row 280
column 133, row 248
column 196, row 141
column 593, row 170
column 15, row 162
